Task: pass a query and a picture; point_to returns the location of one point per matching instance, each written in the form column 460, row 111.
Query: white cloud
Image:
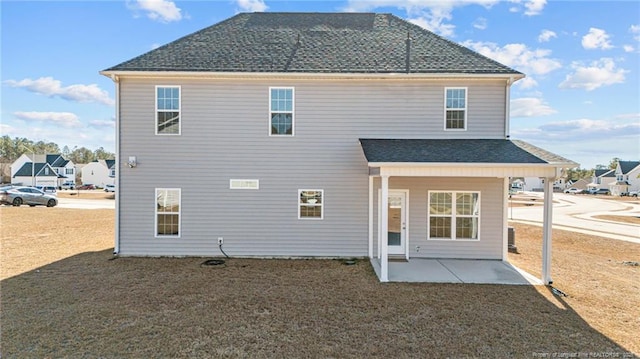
column 252, row 5
column 50, row 87
column 480, row 23
column 159, row 10
column 103, row 123
column 6, row 129
column 534, row 7
column 64, row 119
column 628, row 48
column 635, row 29
column 518, row 56
column 599, row 73
column 431, row 15
column 530, row 107
column 596, row 39
column 577, row 138
column 587, row 128
column 546, row 35
column 527, row 83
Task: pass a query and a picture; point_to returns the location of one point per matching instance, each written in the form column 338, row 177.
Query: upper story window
column 167, row 110
column 69, row 171
column 281, row 105
column 455, row 109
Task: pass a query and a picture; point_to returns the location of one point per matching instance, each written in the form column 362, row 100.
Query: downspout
column 507, row 108
column 116, row 245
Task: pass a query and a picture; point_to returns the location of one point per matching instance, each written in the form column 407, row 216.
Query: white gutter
column 116, row 245
column 307, row 75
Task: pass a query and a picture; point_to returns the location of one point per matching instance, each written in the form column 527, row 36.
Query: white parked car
column 68, row 185
column 110, row 188
column 48, row 189
column 572, row 190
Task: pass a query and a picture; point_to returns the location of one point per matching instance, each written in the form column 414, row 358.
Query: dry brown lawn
column 63, row 295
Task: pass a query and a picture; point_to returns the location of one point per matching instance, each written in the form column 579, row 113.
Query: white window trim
column 292, row 112
column 240, row 184
column 155, row 206
column 466, row 108
column 321, row 205
column 156, row 110
column 453, row 216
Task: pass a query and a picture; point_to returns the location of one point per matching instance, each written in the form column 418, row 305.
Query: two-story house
column 42, row 170
column 319, row 135
column 99, row 173
column 602, row 178
column 627, row 175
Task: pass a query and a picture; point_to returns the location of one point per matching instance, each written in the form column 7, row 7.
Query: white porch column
column 370, row 216
column 384, row 219
column 505, row 221
column 547, row 230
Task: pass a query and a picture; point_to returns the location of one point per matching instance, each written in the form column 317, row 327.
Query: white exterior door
column 397, row 226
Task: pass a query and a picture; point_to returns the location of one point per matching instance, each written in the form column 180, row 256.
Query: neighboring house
column 42, row 170
column 517, row 184
column 99, row 173
column 627, row 178
column 536, row 184
column 580, row 184
column 602, row 178
column 319, row 135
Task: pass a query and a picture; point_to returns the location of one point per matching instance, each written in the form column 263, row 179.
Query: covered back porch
column 470, row 251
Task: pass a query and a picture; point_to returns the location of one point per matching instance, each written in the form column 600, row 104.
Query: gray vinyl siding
column 490, row 244
column 225, row 135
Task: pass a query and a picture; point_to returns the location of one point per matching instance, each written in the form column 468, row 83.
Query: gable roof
column 604, row 173
column 458, row 151
column 628, row 166
column 315, row 43
column 38, row 169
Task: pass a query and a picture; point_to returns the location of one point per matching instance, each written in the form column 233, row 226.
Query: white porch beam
column 370, row 216
column 547, row 228
column 384, row 221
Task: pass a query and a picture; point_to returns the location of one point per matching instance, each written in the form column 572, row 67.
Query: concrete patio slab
column 456, row 271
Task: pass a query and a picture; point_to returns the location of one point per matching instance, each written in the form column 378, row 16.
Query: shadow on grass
column 91, row 306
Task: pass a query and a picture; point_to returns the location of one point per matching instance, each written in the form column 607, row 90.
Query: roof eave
column 472, row 164
column 115, row 74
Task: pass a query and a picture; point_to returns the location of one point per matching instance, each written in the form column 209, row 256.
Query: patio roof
column 471, row 151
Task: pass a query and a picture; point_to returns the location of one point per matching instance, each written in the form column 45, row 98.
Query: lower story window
column 310, row 204
column 168, row 212
column 454, row 215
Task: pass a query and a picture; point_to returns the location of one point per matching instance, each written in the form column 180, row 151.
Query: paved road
column 576, row 212
column 79, row 203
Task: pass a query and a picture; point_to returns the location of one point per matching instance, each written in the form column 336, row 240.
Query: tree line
column 12, row 148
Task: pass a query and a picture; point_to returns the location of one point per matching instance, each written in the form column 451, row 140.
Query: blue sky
column 581, row 97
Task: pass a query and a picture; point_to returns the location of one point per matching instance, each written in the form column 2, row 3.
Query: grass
column 63, row 295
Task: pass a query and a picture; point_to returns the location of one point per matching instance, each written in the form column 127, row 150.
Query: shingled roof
column 458, row 151
column 315, row 43
column 628, row 166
